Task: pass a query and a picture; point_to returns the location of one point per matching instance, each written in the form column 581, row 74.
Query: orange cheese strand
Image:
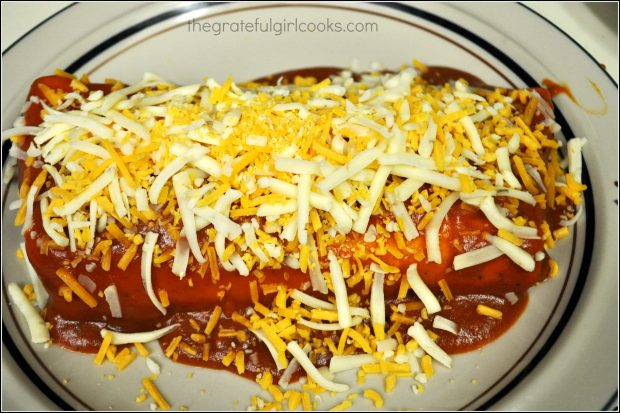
column 76, row 287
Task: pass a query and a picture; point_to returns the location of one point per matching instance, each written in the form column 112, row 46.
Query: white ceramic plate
column 561, row 354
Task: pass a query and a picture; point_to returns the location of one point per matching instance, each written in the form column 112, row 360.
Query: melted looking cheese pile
column 246, row 177
column 267, row 170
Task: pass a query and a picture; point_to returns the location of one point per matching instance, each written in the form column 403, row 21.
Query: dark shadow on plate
column 606, row 13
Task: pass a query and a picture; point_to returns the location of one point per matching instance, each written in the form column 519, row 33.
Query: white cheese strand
column 54, row 174
column 328, row 327
column 316, row 275
column 408, row 158
column 533, row 172
column 513, row 143
column 289, row 231
column 39, row 291
column 370, row 124
column 374, row 194
column 117, row 198
column 181, row 258
column 95, row 127
column 499, row 221
column 472, row 134
column 92, row 210
column 429, row 177
column 475, row 257
column 291, row 369
column 399, row 210
column 520, row 257
column 71, row 230
column 20, row 130
column 87, row 194
column 412, row 360
column 57, row 236
column 150, row 240
column 29, row 208
column 224, row 202
column 239, row 264
column 280, row 187
column 141, row 337
column 503, row 163
column 340, row 291
column 188, row 90
column 425, row 148
column 574, row 148
column 422, row 291
column 87, row 283
column 91, row 148
column 192, row 154
column 111, row 99
column 205, row 163
column 344, row 222
column 312, row 371
column 314, row 302
column 303, row 207
column 52, row 131
column 311, row 301
column 443, row 323
column 355, row 361
column 181, row 183
column 276, row 209
column 111, row 296
column 432, row 228
column 129, row 124
column 397, row 144
column 252, row 242
column 520, row 195
column 152, row 366
column 359, row 162
column 296, row 166
column 220, row 222
column 420, row 335
column 377, row 300
column 407, row 188
column 272, row 349
column 386, row 345
column 142, row 200
column 38, row 330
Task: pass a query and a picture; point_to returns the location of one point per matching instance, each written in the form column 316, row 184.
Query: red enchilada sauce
column 557, row 89
column 77, row 327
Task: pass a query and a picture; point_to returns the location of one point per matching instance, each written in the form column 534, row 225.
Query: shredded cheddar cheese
column 488, row 311
column 155, row 394
column 246, row 178
column 68, row 278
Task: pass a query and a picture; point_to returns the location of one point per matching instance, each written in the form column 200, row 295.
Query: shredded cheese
column 150, row 240
column 475, row 257
column 432, row 229
column 516, row 254
column 340, row 291
column 38, row 330
column 87, row 194
column 419, row 333
column 39, row 290
column 421, row 290
column 67, row 277
column 253, row 177
column 306, row 364
column 140, row 337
